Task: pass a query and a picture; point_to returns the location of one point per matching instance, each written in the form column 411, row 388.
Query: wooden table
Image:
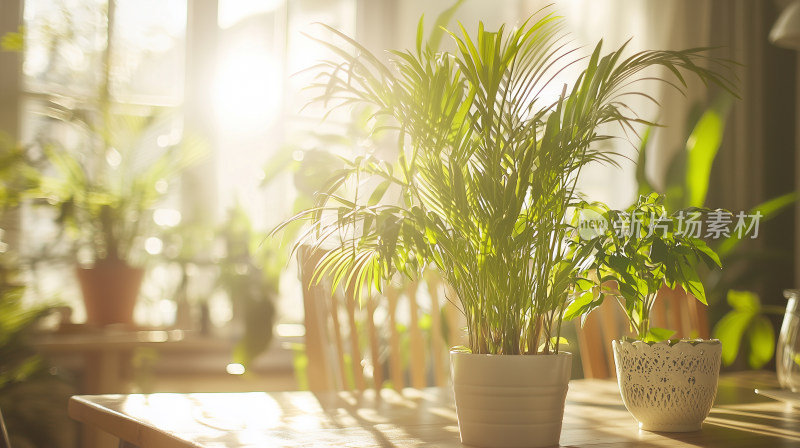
column 106, row 354
column 594, row 417
column 105, row 359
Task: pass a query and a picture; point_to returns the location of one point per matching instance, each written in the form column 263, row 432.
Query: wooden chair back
column 401, row 337
column 673, row 309
column 4, row 442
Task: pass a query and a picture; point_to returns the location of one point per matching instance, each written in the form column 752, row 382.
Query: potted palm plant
column 104, row 192
column 668, row 385
column 479, row 187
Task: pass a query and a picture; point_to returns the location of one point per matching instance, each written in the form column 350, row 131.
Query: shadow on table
column 745, row 428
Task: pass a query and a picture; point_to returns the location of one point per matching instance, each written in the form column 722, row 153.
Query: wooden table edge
column 128, row 429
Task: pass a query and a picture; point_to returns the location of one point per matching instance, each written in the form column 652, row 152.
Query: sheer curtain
column 647, row 25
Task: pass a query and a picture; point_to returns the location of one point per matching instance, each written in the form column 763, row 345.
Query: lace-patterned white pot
column 510, row 400
column 668, row 387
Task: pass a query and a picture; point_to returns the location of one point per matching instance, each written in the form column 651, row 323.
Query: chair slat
column 316, row 324
column 374, row 344
column 594, row 366
column 395, row 356
column 341, row 367
column 417, row 358
column 660, row 316
column 699, row 315
column 4, row 440
column 455, row 318
column 356, row 367
column 679, row 318
column 437, row 341
column 348, row 345
column 612, row 329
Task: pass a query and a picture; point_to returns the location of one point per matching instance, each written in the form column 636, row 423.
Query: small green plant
column 484, row 173
column 105, row 190
column 637, row 253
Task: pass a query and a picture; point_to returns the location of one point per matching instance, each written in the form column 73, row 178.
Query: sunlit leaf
column 730, row 330
column 745, row 301
column 655, row 334
column 702, row 147
column 761, row 336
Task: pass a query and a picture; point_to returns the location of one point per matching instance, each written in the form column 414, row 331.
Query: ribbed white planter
column 668, row 387
column 510, row 400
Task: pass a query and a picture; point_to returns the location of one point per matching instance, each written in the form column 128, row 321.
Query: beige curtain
column 757, row 161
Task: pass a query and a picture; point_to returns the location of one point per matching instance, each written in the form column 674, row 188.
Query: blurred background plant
column 33, row 395
column 106, row 187
column 250, row 274
column 744, row 328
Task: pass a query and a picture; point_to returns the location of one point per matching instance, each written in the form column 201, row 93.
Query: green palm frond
column 485, row 172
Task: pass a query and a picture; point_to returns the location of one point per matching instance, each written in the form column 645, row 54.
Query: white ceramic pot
column 510, row 400
column 668, row 387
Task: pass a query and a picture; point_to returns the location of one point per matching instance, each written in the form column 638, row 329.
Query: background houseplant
column 33, row 395
column 667, row 386
column 103, row 167
column 105, row 190
column 686, row 183
column 250, row 274
column 482, row 181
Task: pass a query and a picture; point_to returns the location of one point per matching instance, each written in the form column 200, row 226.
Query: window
column 81, row 56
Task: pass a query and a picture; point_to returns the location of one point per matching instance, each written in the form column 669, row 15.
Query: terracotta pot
column 110, row 289
column 510, row 400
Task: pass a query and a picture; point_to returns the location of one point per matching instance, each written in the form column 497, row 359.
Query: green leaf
column 641, row 164
column 579, row 306
column 619, row 264
column 761, row 336
column 711, row 257
column 690, row 281
column 768, row 210
column 702, row 147
column 420, row 33
column 659, row 251
column 12, row 41
column 555, row 341
column 655, row 334
column 435, row 39
column 378, row 192
column 744, row 301
column 729, row 330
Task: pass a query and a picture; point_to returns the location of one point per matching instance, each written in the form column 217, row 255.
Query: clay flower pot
column 110, row 289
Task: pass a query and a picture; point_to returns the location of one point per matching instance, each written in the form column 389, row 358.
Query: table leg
column 103, row 374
